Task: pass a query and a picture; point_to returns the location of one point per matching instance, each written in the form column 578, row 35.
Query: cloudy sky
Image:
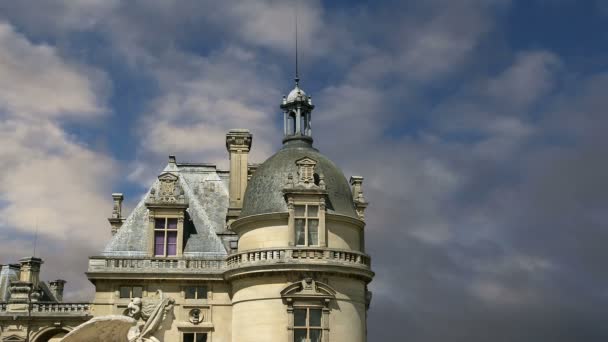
column 478, row 125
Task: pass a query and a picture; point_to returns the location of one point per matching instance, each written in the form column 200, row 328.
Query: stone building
column 269, row 252
column 33, row 310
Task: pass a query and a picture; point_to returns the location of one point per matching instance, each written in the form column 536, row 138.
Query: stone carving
column 360, row 203
column 168, row 191
column 153, row 312
column 308, row 290
column 306, row 171
column 196, row 316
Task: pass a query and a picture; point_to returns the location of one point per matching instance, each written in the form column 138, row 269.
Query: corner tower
column 300, row 272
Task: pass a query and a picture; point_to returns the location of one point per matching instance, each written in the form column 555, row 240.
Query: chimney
column 56, row 287
column 116, row 220
column 238, row 143
column 25, row 289
column 29, row 272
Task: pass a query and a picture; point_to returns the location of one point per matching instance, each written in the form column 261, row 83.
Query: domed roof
column 264, row 190
column 294, row 93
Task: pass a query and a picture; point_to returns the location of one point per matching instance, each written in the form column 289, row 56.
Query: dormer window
column 307, row 225
column 167, row 207
column 165, row 236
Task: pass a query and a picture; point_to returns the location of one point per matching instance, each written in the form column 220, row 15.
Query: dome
column 264, row 190
column 294, row 93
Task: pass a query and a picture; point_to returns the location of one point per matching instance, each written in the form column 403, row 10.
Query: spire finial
column 297, row 78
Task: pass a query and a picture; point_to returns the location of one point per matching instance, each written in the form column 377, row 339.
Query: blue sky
column 478, row 125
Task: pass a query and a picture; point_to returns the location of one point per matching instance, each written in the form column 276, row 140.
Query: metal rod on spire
column 35, row 238
column 297, row 79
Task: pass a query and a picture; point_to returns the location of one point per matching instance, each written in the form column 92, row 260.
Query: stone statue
column 113, row 328
column 153, row 312
column 116, row 328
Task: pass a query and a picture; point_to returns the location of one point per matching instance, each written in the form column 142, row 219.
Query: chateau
column 269, row 252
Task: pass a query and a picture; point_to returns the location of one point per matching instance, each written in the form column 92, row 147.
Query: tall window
column 165, row 236
column 194, row 337
column 307, row 225
column 307, row 325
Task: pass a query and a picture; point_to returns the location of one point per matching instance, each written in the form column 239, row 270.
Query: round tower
column 300, row 272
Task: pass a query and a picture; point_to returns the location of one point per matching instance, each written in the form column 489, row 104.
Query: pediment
column 168, row 177
column 308, row 289
column 306, row 161
column 13, row 338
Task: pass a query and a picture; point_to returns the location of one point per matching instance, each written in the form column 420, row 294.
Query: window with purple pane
column 159, row 243
column 159, row 223
column 171, row 243
column 172, row 223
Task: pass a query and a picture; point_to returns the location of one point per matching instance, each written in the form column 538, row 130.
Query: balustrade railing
column 291, row 254
column 154, row 264
column 299, row 254
column 42, row 308
column 68, row 308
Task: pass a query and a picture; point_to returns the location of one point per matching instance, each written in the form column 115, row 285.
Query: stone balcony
column 279, row 259
column 145, row 265
column 300, row 258
column 299, row 254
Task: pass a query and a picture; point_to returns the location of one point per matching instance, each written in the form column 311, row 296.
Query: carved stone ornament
column 308, row 290
column 306, row 172
column 196, row 316
column 168, row 191
column 153, row 312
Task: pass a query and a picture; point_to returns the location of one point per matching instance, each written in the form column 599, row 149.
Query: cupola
column 297, row 109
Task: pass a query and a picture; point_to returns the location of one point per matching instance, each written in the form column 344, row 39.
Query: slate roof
column 264, row 190
column 206, row 190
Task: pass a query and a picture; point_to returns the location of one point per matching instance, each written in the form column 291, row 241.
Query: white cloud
column 49, row 181
column 531, row 76
column 36, row 82
column 202, row 100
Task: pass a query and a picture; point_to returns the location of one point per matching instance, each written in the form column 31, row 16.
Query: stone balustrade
column 192, row 265
column 142, row 264
column 299, row 254
column 67, row 308
column 44, row 308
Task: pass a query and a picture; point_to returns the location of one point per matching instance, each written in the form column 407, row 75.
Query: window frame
column 308, row 327
column 319, row 202
column 165, row 230
column 309, row 294
column 206, row 333
column 307, row 219
column 130, row 287
column 196, row 292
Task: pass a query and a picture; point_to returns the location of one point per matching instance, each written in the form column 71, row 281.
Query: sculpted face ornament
column 134, row 308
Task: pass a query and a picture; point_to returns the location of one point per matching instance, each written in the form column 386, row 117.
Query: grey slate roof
column 206, row 190
column 264, row 190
